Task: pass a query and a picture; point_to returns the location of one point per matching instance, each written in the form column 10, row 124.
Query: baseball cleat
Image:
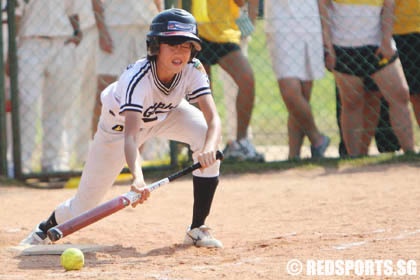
column 201, row 237
column 242, row 150
column 36, row 237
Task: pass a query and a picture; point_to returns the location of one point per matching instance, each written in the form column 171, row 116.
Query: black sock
column 204, row 189
column 46, row 225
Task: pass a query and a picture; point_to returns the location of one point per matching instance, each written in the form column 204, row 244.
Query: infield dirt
column 264, row 220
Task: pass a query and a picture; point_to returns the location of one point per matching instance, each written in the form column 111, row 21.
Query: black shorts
column 359, row 61
column 369, row 84
column 408, row 46
column 212, row 52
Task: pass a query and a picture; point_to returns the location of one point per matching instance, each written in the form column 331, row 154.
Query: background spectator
column 247, row 18
column 221, row 37
column 294, row 40
column 358, row 41
column 46, row 63
column 90, row 16
column 407, row 37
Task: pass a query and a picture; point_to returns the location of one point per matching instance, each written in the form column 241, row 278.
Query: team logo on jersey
column 157, row 108
column 118, row 127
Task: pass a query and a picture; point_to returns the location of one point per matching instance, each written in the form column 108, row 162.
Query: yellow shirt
column 219, row 24
column 407, row 16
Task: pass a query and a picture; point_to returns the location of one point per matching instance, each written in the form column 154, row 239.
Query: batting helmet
column 174, row 26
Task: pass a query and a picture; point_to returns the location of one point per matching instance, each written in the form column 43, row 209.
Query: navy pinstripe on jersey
column 161, row 86
column 139, row 89
column 131, row 86
column 197, row 93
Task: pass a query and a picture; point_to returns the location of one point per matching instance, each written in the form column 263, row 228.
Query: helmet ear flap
column 152, row 46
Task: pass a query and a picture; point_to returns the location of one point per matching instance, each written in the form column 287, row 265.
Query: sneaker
column 318, row 152
column 242, row 150
column 36, row 237
column 201, row 237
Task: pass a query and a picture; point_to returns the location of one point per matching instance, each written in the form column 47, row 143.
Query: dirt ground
column 266, row 221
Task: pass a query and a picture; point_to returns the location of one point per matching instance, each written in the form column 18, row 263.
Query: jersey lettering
column 158, row 108
column 149, row 119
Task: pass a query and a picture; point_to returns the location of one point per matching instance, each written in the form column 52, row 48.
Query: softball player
column 152, row 98
column 127, row 23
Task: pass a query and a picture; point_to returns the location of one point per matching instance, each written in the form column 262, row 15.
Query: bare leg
column 294, row 127
column 352, row 100
column 312, row 131
column 393, row 85
column 371, row 115
column 238, row 67
column 296, row 96
column 415, row 101
column 296, row 136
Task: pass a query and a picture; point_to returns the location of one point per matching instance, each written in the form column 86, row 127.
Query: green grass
column 232, row 168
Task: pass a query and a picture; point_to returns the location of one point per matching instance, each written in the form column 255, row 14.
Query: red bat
column 114, row 205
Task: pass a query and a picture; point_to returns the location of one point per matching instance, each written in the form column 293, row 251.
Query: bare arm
column 158, row 4
column 387, row 23
column 77, row 34
column 253, row 10
column 207, row 155
column 131, row 129
column 240, row 3
column 105, row 40
column 18, row 20
column 131, row 151
column 326, row 34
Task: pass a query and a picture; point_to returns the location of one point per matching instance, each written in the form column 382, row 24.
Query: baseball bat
column 114, row 205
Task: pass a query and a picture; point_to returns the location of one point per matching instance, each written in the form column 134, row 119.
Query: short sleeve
column 199, row 82
column 131, row 98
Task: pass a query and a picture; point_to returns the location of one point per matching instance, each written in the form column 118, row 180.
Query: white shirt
column 292, row 16
column 138, row 89
column 355, row 25
column 45, row 18
column 129, row 12
column 84, row 9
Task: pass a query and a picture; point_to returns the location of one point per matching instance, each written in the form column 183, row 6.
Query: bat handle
column 54, row 234
column 133, row 196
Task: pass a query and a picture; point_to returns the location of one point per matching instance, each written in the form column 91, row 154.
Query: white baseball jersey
column 139, row 89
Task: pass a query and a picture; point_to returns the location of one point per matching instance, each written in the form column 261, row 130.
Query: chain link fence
column 57, row 84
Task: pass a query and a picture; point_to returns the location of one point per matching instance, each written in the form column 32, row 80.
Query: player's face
column 173, row 58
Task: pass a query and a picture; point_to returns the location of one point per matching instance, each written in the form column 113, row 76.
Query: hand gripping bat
column 116, row 204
